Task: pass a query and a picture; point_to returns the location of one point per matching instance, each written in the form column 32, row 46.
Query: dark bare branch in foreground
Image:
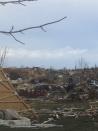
column 12, row 32
column 21, row 2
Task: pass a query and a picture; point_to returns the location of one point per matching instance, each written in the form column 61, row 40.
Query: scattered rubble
column 59, row 86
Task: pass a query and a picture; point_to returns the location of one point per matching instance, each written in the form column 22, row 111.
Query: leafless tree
column 14, row 31
column 83, row 63
column 3, row 53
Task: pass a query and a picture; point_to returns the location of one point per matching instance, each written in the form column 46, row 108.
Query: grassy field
column 69, row 123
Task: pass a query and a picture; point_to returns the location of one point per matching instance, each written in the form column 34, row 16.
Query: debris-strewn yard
column 66, row 97
column 77, row 84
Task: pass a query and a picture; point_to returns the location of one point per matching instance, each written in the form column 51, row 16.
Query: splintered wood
column 9, row 99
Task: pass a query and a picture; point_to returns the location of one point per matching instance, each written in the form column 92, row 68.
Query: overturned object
column 11, row 118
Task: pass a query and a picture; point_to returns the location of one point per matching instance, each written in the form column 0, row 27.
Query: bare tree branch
column 16, row 2
column 12, row 32
column 16, row 39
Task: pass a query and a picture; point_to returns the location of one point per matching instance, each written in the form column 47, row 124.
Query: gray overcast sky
column 63, row 44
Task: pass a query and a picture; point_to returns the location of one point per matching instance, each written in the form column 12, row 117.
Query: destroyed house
column 9, row 99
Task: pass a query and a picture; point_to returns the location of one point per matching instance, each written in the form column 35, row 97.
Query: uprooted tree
column 14, row 31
